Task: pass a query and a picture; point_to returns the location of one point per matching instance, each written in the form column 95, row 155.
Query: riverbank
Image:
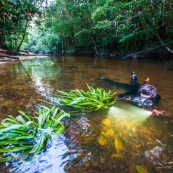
column 123, row 55
column 21, row 58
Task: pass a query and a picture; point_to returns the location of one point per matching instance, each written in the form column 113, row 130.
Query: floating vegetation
column 34, row 64
column 46, row 63
column 26, row 135
column 88, row 101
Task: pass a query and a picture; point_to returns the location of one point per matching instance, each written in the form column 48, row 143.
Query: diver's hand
column 128, row 98
column 156, row 112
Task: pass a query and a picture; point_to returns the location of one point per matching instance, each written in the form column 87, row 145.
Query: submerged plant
column 34, row 64
column 46, row 63
column 26, row 135
column 91, row 100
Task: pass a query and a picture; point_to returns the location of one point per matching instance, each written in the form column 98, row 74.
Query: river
column 121, row 139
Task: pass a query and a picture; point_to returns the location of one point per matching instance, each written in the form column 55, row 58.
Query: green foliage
column 88, row 101
column 46, row 63
column 43, row 41
column 26, row 135
column 105, row 25
column 14, row 20
column 111, row 25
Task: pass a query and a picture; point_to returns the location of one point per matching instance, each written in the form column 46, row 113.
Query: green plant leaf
column 25, row 115
column 12, row 127
column 14, row 149
column 5, row 159
column 141, row 169
column 37, row 148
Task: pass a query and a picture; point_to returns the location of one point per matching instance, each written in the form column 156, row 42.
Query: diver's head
column 147, row 91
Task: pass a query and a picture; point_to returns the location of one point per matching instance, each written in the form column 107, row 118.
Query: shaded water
column 121, row 139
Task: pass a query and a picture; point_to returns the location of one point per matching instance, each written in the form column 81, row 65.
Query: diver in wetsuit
column 147, row 98
column 143, row 95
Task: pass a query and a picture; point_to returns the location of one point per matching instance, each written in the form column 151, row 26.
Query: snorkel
column 146, row 81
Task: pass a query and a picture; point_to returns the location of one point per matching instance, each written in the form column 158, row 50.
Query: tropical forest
column 86, row 86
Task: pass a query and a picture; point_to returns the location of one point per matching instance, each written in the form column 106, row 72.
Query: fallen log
column 135, row 54
column 9, row 56
column 5, row 60
column 25, row 51
column 2, row 50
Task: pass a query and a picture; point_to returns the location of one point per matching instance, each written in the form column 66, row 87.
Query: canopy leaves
column 105, row 25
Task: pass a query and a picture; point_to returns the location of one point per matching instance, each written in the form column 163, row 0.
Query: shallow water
column 121, row 139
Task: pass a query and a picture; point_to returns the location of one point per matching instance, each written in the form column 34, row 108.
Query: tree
column 108, row 25
column 14, row 21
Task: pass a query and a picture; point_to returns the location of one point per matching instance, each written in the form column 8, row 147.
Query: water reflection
column 121, row 139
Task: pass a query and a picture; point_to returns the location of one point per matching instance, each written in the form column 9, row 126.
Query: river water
column 121, row 139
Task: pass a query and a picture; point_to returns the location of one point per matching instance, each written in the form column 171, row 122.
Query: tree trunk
column 155, row 26
column 24, row 33
column 95, row 46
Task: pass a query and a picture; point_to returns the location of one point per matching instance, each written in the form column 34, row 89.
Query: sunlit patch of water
column 129, row 112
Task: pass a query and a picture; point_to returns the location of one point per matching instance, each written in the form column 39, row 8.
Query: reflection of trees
column 44, row 78
column 17, row 91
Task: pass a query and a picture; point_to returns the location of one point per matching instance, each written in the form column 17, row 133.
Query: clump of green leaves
column 27, row 135
column 35, row 64
column 46, row 63
column 88, row 101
